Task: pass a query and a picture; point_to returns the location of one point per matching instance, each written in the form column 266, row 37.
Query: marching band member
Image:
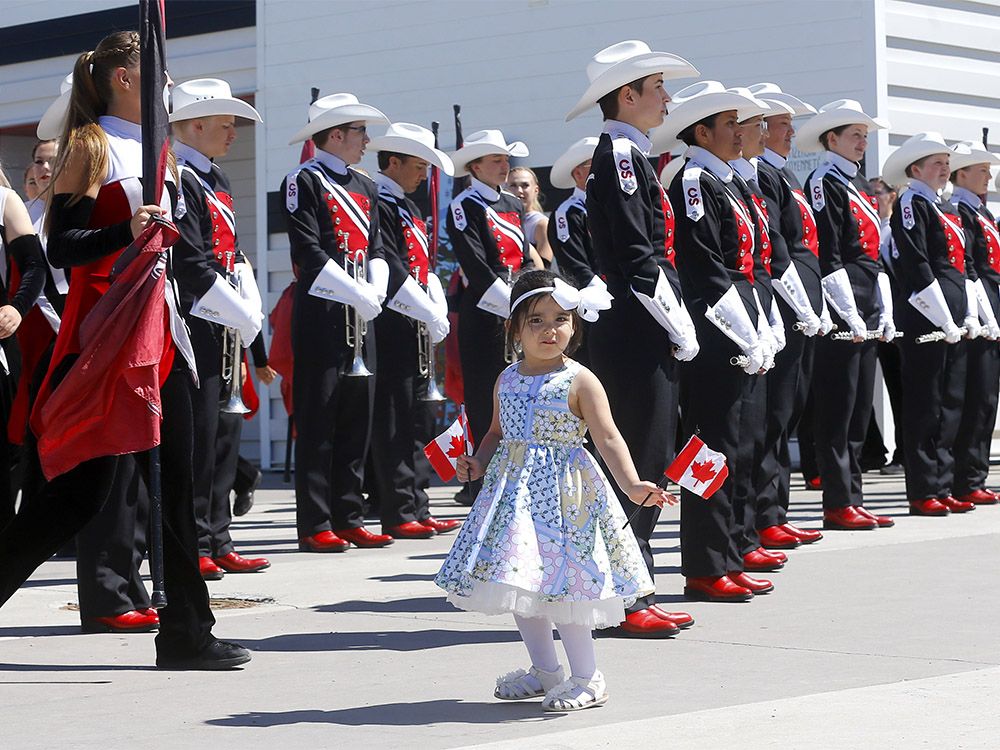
column 415, row 320
column 857, row 290
column 635, row 346
column 95, row 213
column 485, row 224
column 222, row 303
column 970, row 174
column 568, row 233
column 799, row 297
column 929, row 256
column 333, row 229
column 717, row 240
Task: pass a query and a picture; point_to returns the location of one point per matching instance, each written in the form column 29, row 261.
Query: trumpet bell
column 433, row 393
column 235, row 405
column 358, row 368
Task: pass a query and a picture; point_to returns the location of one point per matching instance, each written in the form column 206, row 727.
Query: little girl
column 544, row 539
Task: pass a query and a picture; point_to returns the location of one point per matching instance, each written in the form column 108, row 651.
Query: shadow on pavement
column 411, row 640
column 422, row 604
column 448, row 711
column 4, row 667
column 30, row 631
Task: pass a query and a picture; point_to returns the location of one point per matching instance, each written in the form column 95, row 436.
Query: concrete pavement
column 871, row 639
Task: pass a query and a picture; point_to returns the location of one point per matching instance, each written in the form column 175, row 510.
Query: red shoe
column 957, row 506
column 236, row 563
column 647, row 624
column 127, row 622
column 680, row 619
column 847, row 519
column 759, row 561
column 775, row 537
column 814, row 484
column 716, row 589
column 756, row 585
column 980, row 497
column 410, row 530
column 884, row 522
column 209, row 570
column 324, row 541
column 929, row 507
column 806, row 536
column 774, row 554
column 441, row 527
column 362, row 537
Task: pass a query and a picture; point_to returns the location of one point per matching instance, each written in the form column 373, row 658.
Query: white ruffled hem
column 492, row 598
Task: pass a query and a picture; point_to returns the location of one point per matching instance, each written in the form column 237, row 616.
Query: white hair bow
column 588, row 302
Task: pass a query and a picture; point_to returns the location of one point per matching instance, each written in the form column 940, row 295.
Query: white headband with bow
column 588, row 302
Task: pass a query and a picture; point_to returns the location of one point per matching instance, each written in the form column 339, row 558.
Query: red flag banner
column 444, row 450
column 698, row 468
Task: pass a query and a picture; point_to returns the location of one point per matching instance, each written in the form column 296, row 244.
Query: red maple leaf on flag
column 703, row 472
column 457, row 447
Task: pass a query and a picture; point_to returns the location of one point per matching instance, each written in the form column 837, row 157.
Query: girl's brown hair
column 525, row 282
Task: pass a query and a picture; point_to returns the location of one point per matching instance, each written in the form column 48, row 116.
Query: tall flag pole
column 459, row 183
column 434, row 188
column 308, row 147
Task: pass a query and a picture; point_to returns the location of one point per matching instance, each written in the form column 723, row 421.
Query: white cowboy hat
column 206, row 97
column 771, row 92
column 967, row 153
column 833, row 115
column 336, row 109
column 774, row 107
column 561, row 175
column 670, row 171
column 914, row 148
column 696, row 102
column 622, row 63
column 51, row 125
column 483, row 143
column 413, row 140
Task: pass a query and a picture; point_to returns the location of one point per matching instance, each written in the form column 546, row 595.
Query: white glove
column 789, row 286
column 436, row 293
column 438, row 329
column 755, row 357
column 221, row 304
column 378, row 277
column 248, row 285
column 931, row 303
column 730, row 316
column 825, row 322
column 496, row 299
column 838, row 291
column 671, row 314
column 367, row 302
column 777, row 326
column 764, row 334
column 971, row 321
column 990, row 328
column 886, row 323
column 688, row 350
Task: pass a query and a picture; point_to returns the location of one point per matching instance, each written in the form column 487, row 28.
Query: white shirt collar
column 484, row 190
column 192, row 156
column 121, row 128
column 580, row 195
column 711, row 162
column 745, row 168
column 384, row 181
column 923, row 190
column 961, row 195
column 335, row 163
column 619, row 129
column 848, row 167
column 774, row 158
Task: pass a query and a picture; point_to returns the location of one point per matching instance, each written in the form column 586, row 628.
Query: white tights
column 577, row 640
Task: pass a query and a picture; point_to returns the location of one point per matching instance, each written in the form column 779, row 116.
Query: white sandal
column 520, row 685
column 576, row 694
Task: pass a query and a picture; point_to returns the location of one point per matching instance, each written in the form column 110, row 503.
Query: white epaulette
column 906, row 209
column 292, row 186
column 562, row 226
column 621, row 149
column 181, row 208
column 693, row 201
column 817, row 195
column 457, row 212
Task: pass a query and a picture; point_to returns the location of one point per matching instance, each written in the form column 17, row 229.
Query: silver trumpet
column 355, row 327
column 426, row 361
column 232, row 353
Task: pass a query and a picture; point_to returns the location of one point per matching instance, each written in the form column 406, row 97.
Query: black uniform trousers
column 8, row 493
column 805, row 433
column 481, row 349
column 719, row 402
column 979, row 415
column 843, row 389
column 216, row 442
column 72, row 499
column 785, row 394
column 333, row 418
column 934, row 383
column 631, row 356
column 394, row 427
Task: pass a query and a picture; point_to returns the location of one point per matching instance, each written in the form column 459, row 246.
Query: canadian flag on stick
column 444, row 450
column 698, row 468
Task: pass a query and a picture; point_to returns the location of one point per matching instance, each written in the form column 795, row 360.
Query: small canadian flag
column 698, row 468
column 444, row 450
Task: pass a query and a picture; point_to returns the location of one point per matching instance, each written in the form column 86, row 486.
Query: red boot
column 847, row 519
column 442, row 527
column 775, row 537
column 127, row 622
column 209, row 570
column 235, row 563
column 980, row 497
column 324, row 541
column 957, row 506
column 930, row 506
column 647, row 624
column 410, row 530
column 362, row 537
column 756, row 585
column 806, row 536
column 716, row 589
column 680, row 619
column 760, row 561
column 884, row 522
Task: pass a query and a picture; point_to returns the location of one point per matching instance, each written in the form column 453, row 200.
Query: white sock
column 536, row 632
column 578, row 640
